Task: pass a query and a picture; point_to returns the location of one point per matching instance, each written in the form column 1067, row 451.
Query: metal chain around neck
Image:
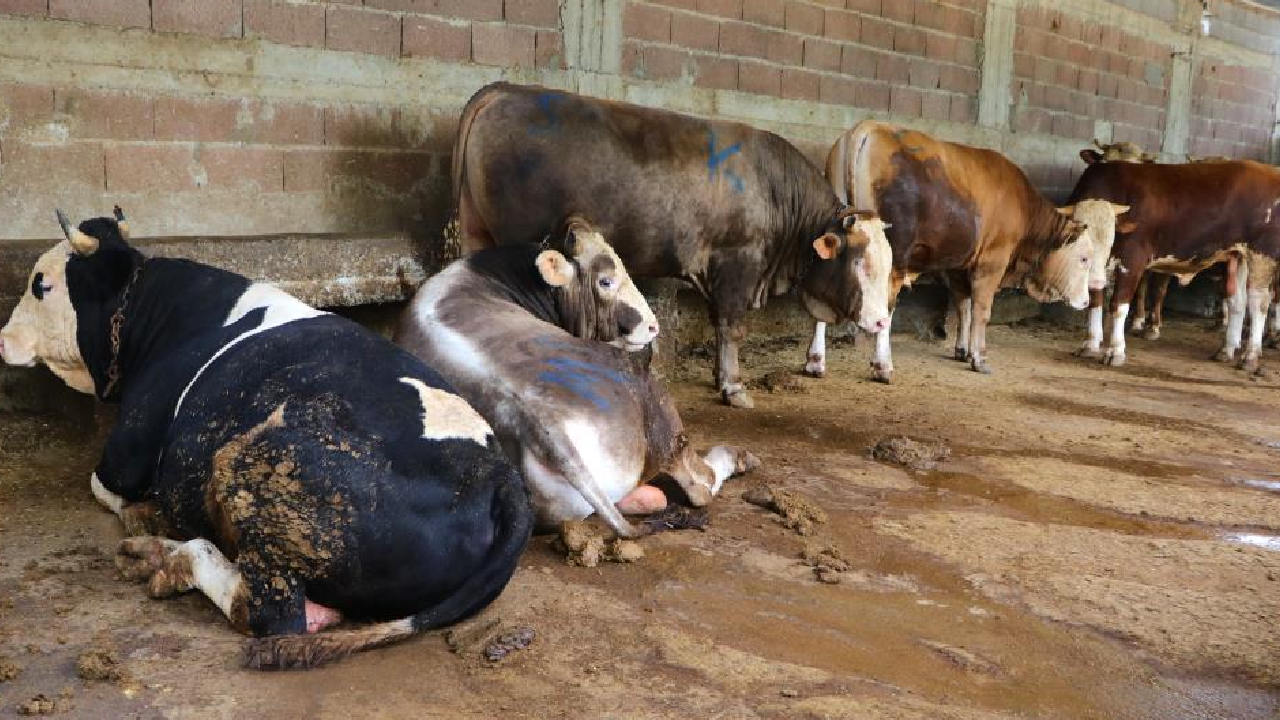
column 117, row 324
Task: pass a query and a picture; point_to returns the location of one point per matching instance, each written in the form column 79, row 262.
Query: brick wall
column 251, row 117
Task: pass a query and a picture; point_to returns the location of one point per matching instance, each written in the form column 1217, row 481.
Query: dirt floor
column 1098, row 543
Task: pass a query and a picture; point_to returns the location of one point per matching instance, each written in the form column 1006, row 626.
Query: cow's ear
column 1090, row 157
column 1126, row 227
column 121, row 222
column 81, row 243
column 828, row 246
column 1119, row 209
column 1067, row 210
column 555, row 268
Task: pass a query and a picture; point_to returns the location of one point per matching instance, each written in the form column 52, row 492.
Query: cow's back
column 669, row 191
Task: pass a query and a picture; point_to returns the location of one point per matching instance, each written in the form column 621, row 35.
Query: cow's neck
column 510, row 270
column 1046, row 232
column 172, row 302
column 805, row 218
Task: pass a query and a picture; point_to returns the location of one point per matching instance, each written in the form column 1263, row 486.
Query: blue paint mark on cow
column 582, row 378
column 549, row 121
column 716, row 158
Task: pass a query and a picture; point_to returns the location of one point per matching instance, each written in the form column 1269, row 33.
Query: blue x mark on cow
column 716, row 158
column 579, row 377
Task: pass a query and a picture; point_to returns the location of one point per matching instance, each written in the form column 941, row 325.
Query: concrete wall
column 220, row 124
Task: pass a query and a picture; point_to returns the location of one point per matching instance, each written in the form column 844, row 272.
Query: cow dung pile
column 9, row 670
column 798, row 512
column 44, row 705
column 782, row 382
column 826, row 560
column 584, row 546
column 100, row 665
column 912, row 454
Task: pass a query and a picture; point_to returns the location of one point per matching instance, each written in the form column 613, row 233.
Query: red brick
column 931, row 15
column 320, row 170
column 961, row 22
column 935, row 106
column 488, row 10
column 803, row 18
column 1024, row 65
column 716, row 73
column 234, row 120
column 759, row 78
column 22, row 106
column 646, row 22
column 784, row 49
column 859, row 62
column 364, row 31
column 136, row 168
column 409, row 6
column 236, row 167
column 664, row 63
column 690, row 5
column 1066, row 75
column 695, row 31
column 1087, row 81
column 39, row 8
column 908, row 41
column 502, row 45
column 965, row 81
column 361, row 126
column 893, row 69
column 967, row 52
column 800, row 85
column 737, row 38
column 284, row 23
column 940, row 47
column 107, row 115
column 443, row 39
column 549, row 50
column 902, row 11
column 925, row 73
column 764, row 12
column 904, row 101
column 723, row 8
column 876, row 33
column 866, row 7
column 216, row 18
column 872, row 95
column 836, row 90
column 540, row 13
column 963, row 109
column 124, row 13
column 821, row 55
column 842, row 25
column 52, row 168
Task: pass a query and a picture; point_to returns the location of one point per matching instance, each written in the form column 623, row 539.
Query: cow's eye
column 605, row 283
column 38, row 288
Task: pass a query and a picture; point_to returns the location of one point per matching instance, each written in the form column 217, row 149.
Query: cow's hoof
column 1138, row 325
column 737, row 399
column 1088, row 351
column 1113, row 358
column 962, row 354
column 1225, row 355
column 139, row 558
column 746, row 462
column 815, row 368
column 1248, row 364
column 1271, row 341
column 979, row 366
column 882, row 373
column 1152, row 332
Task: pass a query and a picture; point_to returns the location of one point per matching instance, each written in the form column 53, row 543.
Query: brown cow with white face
column 964, row 211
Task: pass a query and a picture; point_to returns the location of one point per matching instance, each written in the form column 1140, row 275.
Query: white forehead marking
column 446, row 416
column 281, row 308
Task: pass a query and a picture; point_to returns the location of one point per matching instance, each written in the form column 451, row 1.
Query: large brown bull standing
column 1184, row 219
column 971, row 214
column 736, row 211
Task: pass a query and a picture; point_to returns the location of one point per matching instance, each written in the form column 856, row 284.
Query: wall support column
column 995, row 95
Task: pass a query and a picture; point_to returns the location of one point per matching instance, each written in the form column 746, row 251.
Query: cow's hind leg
column 1156, row 312
column 985, row 282
column 1139, row 305
column 1262, row 271
column 728, row 371
column 1237, row 306
column 171, row 568
column 1272, row 339
column 962, row 304
column 816, row 364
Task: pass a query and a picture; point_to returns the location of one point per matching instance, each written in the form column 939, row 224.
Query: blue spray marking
column 550, row 120
column 716, row 158
column 579, row 377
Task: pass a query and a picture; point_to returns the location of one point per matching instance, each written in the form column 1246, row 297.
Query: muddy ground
column 1081, row 553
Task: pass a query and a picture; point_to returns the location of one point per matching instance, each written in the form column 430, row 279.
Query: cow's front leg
column 882, row 359
column 1272, row 339
column 728, row 377
column 702, row 477
column 962, row 303
column 816, row 364
column 1262, row 271
column 1237, row 307
column 1092, row 346
column 105, row 497
column 170, row 568
column 138, row 518
column 985, row 282
column 1126, row 285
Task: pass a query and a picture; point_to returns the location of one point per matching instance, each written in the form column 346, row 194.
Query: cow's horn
column 81, row 243
column 121, row 222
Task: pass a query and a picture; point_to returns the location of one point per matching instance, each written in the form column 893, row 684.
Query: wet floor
column 1100, row 543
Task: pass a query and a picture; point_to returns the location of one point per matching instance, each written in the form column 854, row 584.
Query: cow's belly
column 1186, row 268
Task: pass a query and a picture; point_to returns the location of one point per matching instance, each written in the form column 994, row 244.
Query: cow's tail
column 458, row 165
column 849, row 167
column 514, row 521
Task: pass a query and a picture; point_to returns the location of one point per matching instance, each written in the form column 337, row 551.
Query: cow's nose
column 879, row 325
column 653, row 329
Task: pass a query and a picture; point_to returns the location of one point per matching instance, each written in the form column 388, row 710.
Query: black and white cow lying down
column 315, row 471
column 516, row 330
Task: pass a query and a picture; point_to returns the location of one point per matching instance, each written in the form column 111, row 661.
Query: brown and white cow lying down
column 971, row 214
column 736, row 211
column 1186, row 218
column 588, row 430
column 311, row 471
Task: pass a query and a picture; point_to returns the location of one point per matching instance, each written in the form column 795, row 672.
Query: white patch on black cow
column 281, row 308
column 109, row 500
column 446, row 416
